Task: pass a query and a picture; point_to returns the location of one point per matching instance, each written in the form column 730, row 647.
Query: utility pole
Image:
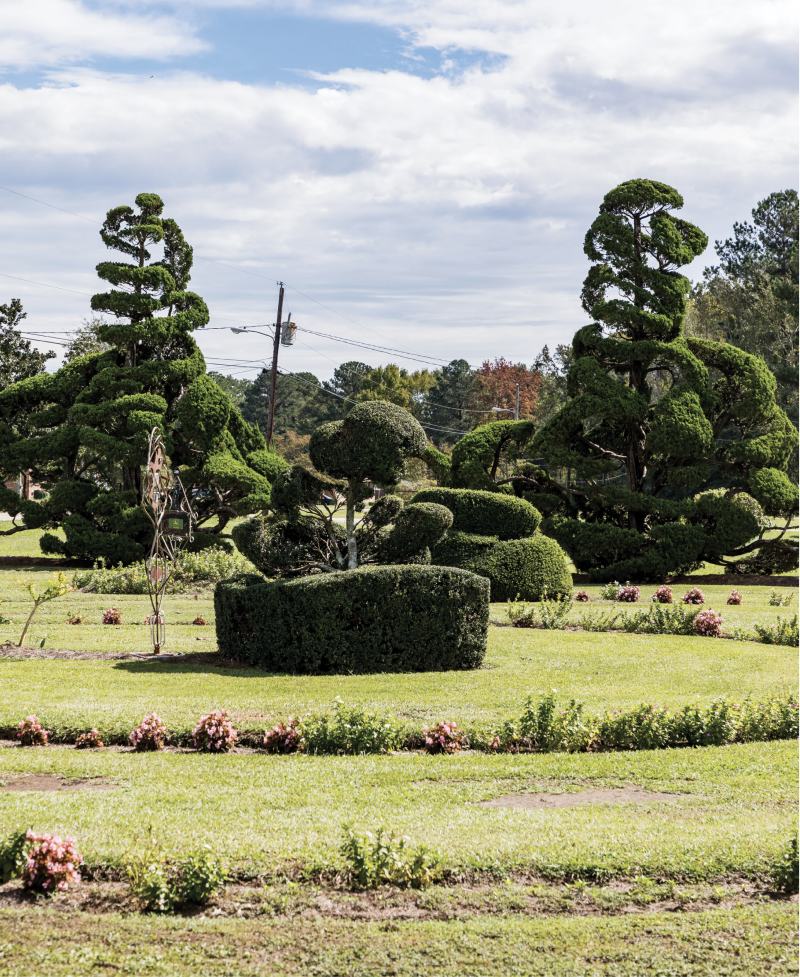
column 516, row 405
column 274, row 380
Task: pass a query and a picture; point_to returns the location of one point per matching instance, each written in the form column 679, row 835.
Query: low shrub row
column 544, row 726
column 208, row 566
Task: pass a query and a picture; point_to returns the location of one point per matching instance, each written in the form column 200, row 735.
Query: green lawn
column 747, row 942
column 263, row 811
column 735, row 806
column 602, row 670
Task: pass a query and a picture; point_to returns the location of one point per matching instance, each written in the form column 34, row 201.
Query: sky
column 420, row 174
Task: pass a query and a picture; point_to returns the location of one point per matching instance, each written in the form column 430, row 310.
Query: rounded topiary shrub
column 532, row 567
column 485, row 513
column 374, row 619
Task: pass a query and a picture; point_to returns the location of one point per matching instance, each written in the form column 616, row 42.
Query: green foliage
column 479, row 455
column 386, row 859
column 191, row 569
column 372, row 442
column 658, row 412
column 287, row 548
column 785, row 869
column 198, row 878
column 377, row 619
column 18, row 359
column 533, row 568
column 56, row 587
column 13, row 855
column 549, row 614
column 485, row 513
column 546, row 726
column 783, row 632
column 483, row 539
column 351, row 730
column 85, row 428
column 161, row 887
column 552, row 731
column 417, row 527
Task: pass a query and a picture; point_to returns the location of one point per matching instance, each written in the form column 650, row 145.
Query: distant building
column 23, row 485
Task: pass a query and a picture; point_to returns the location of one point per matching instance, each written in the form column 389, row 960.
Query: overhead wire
column 214, row 261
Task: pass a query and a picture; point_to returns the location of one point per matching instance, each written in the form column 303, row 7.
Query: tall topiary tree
column 638, row 507
column 84, row 429
column 371, row 444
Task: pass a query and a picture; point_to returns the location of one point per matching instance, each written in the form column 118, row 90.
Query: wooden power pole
column 274, row 379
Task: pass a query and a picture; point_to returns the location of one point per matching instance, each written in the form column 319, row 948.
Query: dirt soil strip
column 723, row 579
column 204, row 658
column 52, row 781
column 597, row 795
column 441, row 902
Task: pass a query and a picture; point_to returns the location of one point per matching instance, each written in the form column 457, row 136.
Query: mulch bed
column 723, row 579
column 41, row 561
column 206, row 659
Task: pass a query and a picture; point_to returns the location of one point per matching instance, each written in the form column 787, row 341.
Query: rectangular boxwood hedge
column 375, row 619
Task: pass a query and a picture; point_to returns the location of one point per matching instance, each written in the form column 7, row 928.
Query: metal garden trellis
column 163, row 499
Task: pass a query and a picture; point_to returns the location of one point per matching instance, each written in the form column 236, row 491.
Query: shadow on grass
column 197, row 664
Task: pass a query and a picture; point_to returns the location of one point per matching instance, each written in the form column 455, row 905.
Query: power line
column 44, row 284
column 428, row 427
column 210, row 261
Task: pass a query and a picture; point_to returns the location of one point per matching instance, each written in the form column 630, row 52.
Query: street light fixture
column 515, row 412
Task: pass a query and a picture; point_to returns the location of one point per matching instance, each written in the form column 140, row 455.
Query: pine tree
column 84, row 429
column 641, row 500
column 18, row 359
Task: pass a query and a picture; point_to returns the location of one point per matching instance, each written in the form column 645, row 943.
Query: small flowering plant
column 442, row 737
column 76, row 618
column 285, row 737
column 694, row 596
column 735, row 598
column 199, row 620
column 581, row 597
column 663, row 595
column 51, row 865
column 215, row 733
column 628, row 594
column 112, row 616
column 30, row 732
column 89, row 741
column 708, row 624
column 149, row 734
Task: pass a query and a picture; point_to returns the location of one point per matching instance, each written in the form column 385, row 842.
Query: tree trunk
column 352, row 545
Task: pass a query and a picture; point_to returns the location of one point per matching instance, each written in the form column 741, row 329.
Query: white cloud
column 39, row 33
column 447, row 212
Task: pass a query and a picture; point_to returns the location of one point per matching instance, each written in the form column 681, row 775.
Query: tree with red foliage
column 497, row 387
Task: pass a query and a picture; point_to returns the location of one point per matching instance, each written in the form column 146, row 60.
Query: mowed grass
column 746, row 942
column 601, row 670
column 734, row 810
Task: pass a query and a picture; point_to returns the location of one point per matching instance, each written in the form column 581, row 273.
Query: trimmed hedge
column 527, row 568
column 374, row 619
column 532, row 567
column 485, row 513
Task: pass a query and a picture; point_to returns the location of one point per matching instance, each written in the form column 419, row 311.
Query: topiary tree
column 84, row 429
column 638, row 508
column 495, row 536
column 371, row 444
column 479, row 457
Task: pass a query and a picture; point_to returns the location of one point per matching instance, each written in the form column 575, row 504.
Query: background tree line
column 749, row 299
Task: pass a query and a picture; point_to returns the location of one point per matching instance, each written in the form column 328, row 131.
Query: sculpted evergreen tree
column 84, row 429
column 18, row 359
column 641, row 503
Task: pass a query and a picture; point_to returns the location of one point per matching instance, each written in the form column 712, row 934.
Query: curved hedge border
column 365, row 621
